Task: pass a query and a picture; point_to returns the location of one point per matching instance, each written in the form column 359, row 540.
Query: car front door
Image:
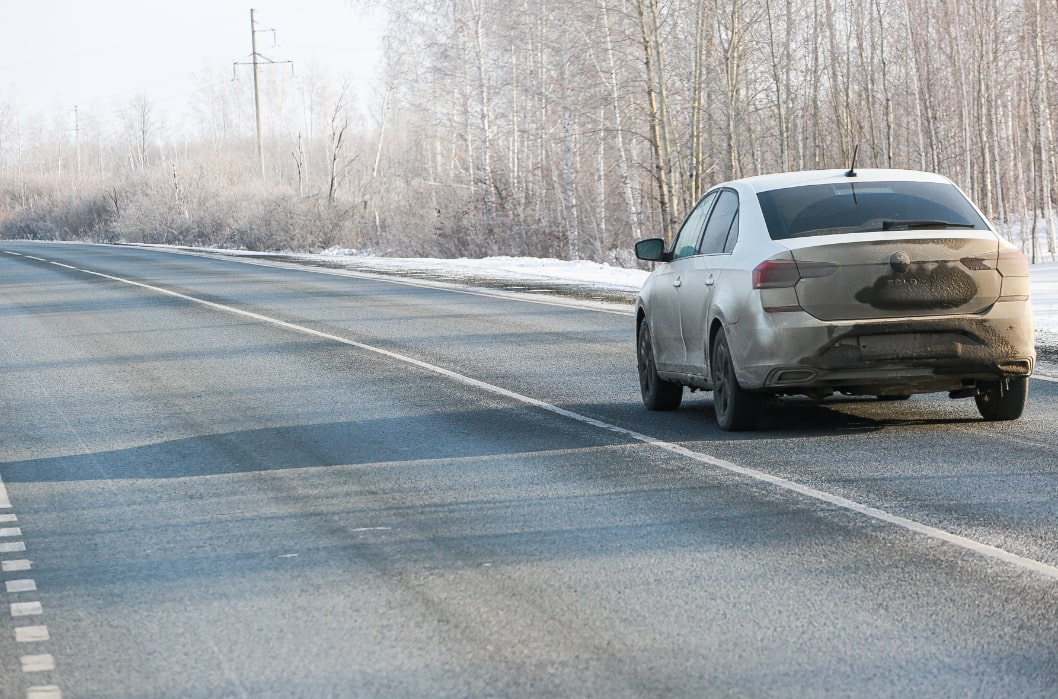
column 700, row 279
column 665, row 314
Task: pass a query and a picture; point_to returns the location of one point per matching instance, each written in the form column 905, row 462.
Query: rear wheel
column 658, row 394
column 736, row 408
column 998, row 402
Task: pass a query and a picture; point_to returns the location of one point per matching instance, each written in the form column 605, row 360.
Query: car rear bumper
column 793, row 352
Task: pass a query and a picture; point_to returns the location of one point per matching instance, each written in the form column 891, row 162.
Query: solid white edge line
column 963, row 542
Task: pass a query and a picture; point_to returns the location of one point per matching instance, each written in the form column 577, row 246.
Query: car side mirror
column 652, row 250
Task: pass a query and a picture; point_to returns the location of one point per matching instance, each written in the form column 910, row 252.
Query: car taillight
column 1014, row 268
column 1012, row 263
column 779, row 274
column 775, row 274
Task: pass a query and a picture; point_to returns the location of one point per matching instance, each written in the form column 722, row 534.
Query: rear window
column 851, row 207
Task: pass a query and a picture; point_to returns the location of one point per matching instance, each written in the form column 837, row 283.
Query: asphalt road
column 230, row 479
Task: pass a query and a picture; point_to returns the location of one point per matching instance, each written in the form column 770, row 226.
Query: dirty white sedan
column 880, row 283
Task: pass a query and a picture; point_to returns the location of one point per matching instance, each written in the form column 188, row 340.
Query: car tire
column 658, row 394
column 994, row 403
column 736, row 408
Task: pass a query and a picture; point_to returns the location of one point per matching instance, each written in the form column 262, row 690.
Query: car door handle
column 678, row 283
column 710, row 281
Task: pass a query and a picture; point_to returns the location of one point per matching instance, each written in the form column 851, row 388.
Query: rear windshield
column 848, row 207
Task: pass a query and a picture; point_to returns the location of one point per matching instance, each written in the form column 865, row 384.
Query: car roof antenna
column 852, row 168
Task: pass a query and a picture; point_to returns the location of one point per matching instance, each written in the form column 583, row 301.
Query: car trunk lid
column 900, row 277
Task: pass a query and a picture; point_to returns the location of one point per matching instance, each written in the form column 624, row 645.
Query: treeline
column 568, row 129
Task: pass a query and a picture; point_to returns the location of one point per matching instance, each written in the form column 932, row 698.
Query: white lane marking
column 43, row 662
column 1041, row 377
column 26, row 609
column 59, row 264
column 32, row 634
column 982, row 549
column 5, row 503
column 372, row 529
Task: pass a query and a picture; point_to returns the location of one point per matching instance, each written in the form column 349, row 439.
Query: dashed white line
column 34, row 663
column 15, row 566
column 31, row 634
column 19, row 609
column 5, row 503
column 41, row 662
column 22, row 585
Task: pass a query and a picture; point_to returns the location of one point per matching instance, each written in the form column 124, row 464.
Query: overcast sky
column 100, row 54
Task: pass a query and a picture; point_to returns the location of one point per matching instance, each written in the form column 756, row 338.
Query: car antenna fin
column 852, row 168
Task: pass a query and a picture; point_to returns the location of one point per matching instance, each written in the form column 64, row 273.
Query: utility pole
column 256, row 92
column 77, row 140
column 256, row 60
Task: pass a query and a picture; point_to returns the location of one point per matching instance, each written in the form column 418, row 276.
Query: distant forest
column 562, row 129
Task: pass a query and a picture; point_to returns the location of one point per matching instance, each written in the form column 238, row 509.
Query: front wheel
column 736, row 408
column 996, row 402
column 658, row 394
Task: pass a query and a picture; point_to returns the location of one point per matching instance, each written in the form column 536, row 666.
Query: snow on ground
column 513, row 268
column 1045, row 302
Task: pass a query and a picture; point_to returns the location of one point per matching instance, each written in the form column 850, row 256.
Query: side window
column 723, row 221
column 687, row 239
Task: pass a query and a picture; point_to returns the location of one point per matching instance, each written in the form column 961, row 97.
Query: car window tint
column 691, row 231
column 869, row 206
column 724, row 214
